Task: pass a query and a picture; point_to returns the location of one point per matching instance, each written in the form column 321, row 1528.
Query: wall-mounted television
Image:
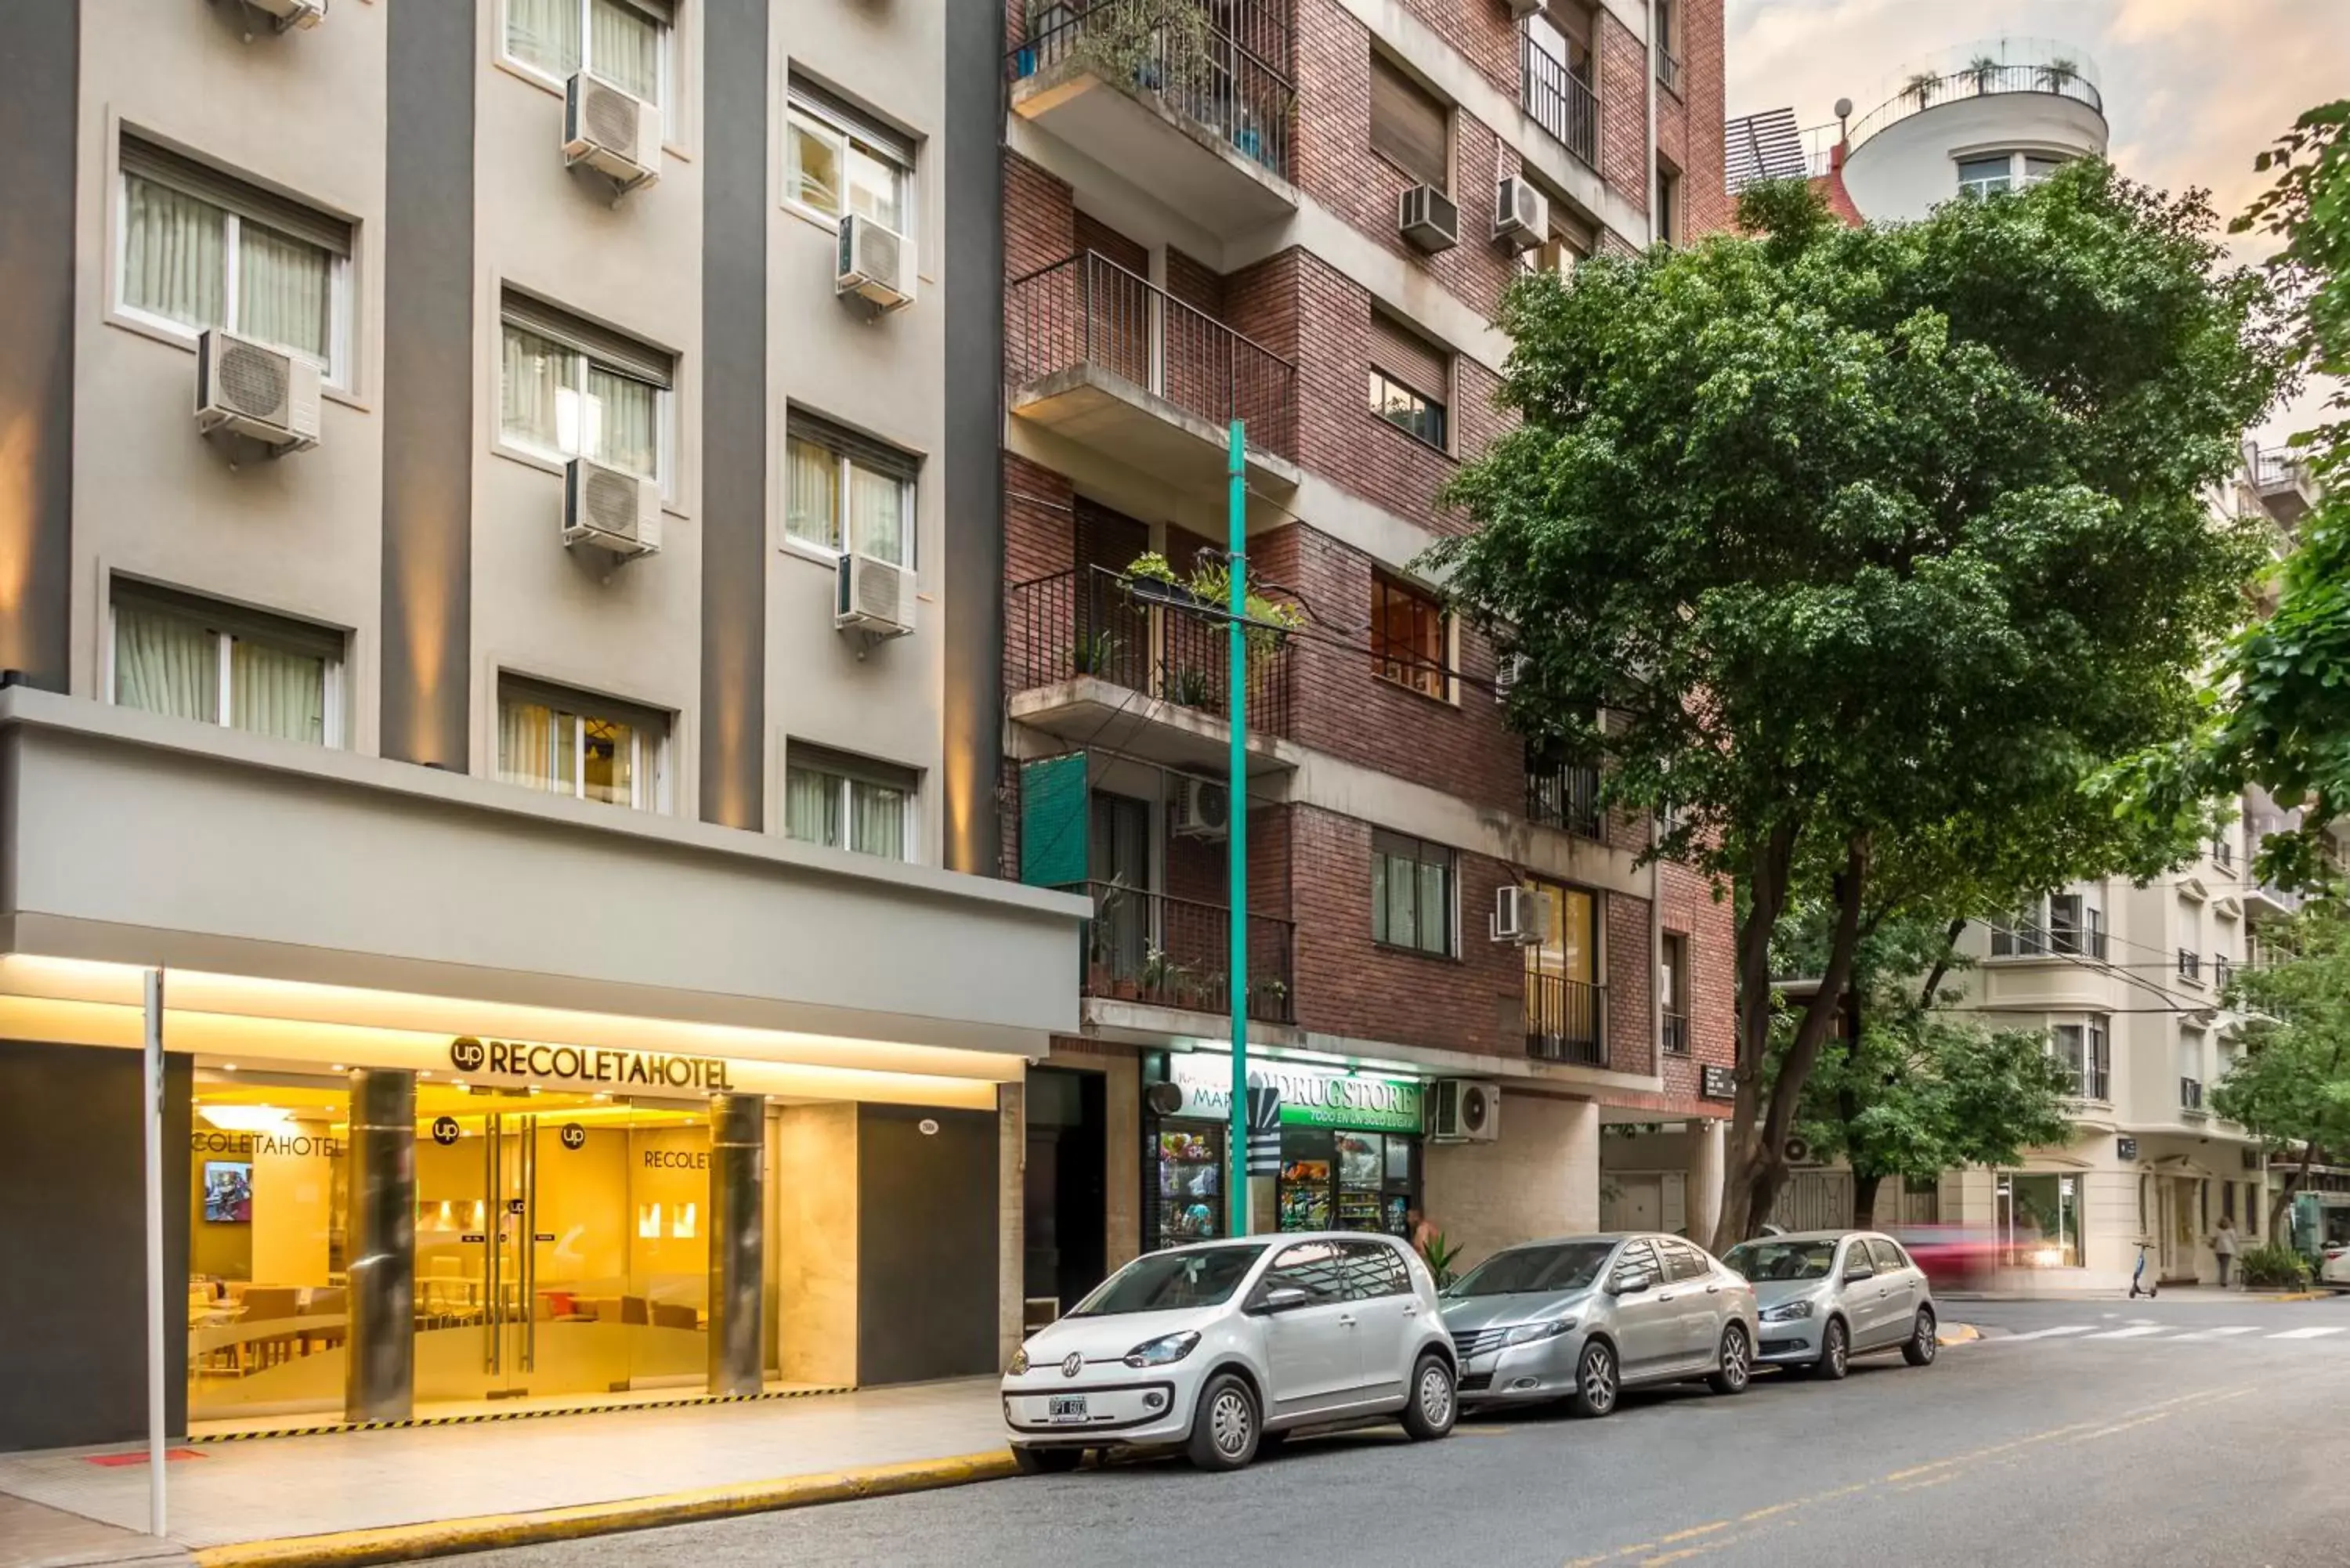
column 228, row 1191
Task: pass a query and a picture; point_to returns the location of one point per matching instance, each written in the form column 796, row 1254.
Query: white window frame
column 664, row 73
column 664, row 412
column 336, row 368
column 648, row 753
column 331, row 721
column 1452, row 912
column 799, row 112
column 841, row 767
column 842, row 461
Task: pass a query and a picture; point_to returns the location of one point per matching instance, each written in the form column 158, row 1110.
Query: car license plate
column 1065, row 1408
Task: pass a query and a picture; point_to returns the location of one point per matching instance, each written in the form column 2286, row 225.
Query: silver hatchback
column 1584, row 1317
column 1826, row 1296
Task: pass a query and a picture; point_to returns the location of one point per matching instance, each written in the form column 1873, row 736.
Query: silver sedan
column 1584, row 1317
column 1826, row 1296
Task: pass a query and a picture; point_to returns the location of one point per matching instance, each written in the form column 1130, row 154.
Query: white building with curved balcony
column 1995, row 115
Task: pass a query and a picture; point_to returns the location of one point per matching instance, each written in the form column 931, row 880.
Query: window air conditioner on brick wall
column 1204, row 810
column 1466, row 1112
column 1428, row 218
column 1508, row 673
column 615, row 133
column 1521, row 915
column 1520, row 214
column 1522, row 10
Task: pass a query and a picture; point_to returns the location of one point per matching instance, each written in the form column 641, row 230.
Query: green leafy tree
column 2281, row 702
column 2291, row 1086
column 1871, row 544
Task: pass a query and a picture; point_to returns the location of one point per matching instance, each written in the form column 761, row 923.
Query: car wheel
column 1225, row 1429
column 1836, row 1350
column 1047, row 1461
column 1429, row 1412
column 1596, row 1382
column 1736, row 1369
column 1924, row 1341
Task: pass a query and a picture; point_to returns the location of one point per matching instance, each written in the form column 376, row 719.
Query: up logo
column 467, row 1055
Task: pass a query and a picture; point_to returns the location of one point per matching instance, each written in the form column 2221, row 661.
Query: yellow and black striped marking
column 320, row 1428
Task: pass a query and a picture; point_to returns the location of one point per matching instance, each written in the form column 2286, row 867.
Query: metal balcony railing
column 2190, row 965
column 1560, row 101
column 1677, row 1035
column 1669, row 71
column 1165, row 952
column 2048, row 67
column 1089, row 621
column 2279, row 465
column 2223, row 970
column 1566, row 1020
column 2190, row 1096
column 1564, row 795
column 1237, row 88
column 1088, row 310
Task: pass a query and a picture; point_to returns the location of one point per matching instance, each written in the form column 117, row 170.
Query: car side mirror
column 1281, row 1299
column 1627, row 1282
column 1864, row 1272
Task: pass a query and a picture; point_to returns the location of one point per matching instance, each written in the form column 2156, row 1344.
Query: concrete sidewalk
column 317, row 1499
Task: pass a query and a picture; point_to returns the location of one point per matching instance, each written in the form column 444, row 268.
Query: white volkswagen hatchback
column 1227, row 1347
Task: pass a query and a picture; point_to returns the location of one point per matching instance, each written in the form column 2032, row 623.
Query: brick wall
column 1705, row 207
column 1623, row 112
column 1039, row 217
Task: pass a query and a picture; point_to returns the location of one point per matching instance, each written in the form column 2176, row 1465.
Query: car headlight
column 1786, row 1311
column 1161, row 1352
column 1019, row 1362
column 1528, row 1333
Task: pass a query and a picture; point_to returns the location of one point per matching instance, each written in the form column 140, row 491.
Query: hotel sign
column 586, row 1066
column 1310, row 1096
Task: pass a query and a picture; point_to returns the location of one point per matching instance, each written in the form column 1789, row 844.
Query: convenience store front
column 1351, row 1147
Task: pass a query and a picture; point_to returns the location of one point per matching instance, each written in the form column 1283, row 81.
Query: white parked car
column 1226, row 1348
column 2333, row 1263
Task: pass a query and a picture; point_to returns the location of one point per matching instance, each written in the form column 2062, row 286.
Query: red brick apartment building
column 1302, row 214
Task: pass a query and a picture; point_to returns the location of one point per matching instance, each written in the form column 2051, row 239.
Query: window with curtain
column 625, row 42
column 849, row 802
column 838, row 159
column 589, row 747
column 1987, row 175
column 198, row 247
column 1411, row 127
column 846, row 492
column 571, row 388
column 1411, row 894
column 1408, row 637
column 176, row 654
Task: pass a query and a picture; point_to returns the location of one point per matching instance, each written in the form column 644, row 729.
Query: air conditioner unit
column 873, row 596
column 875, row 263
column 1467, row 1112
column 1522, row 10
column 1428, row 218
column 1508, row 673
column 615, row 133
column 1203, row 810
column 285, row 14
column 610, row 509
column 1520, row 915
column 251, row 390
column 1520, row 214
column 1799, row 1152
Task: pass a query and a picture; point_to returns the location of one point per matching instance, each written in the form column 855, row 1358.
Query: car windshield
column 1760, row 1260
column 1523, row 1271
column 1170, row 1282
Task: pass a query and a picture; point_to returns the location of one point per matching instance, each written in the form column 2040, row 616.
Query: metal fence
column 1929, row 90
column 1566, row 1020
column 1563, row 796
column 1091, row 621
column 1165, row 951
column 1561, row 103
column 1089, row 310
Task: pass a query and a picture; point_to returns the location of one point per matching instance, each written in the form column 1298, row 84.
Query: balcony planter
column 1023, row 62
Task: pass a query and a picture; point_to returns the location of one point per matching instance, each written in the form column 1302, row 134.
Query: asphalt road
column 2176, row 1432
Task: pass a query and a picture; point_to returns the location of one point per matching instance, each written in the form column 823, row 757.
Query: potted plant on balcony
column 2058, row 74
column 1161, row 46
column 1093, row 653
column 1983, row 71
column 1269, row 998
column 1920, row 87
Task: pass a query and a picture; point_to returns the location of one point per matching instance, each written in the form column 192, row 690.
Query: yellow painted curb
column 406, row 1543
column 1957, row 1334
column 2293, row 1296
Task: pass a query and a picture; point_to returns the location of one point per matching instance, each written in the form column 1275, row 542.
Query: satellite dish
column 1843, row 108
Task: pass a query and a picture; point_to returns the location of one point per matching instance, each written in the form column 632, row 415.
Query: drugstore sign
column 1310, row 1096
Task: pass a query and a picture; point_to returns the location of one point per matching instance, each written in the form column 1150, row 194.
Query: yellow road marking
column 1693, row 1531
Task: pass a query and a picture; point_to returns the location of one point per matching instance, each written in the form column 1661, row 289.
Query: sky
column 2193, row 89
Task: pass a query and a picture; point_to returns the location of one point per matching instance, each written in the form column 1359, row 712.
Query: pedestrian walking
column 2223, row 1246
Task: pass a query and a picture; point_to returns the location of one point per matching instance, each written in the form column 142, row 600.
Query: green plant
column 2274, row 1268
column 1190, row 688
column 2058, row 74
column 1269, row 621
column 1920, row 87
column 1159, row 972
column 1159, row 46
column 1982, row 70
column 1273, row 992
column 1440, row 1255
column 1092, row 654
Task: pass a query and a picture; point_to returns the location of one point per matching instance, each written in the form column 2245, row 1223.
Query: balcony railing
column 2190, row 1096
column 2051, row 69
column 2279, row 465
column 1566, row 1020
column 1238, row 88
column 1677, row 1035
column 1669, row 71
column 2223, row 970
column 1563, row 796
column 2191, row 966
column 1089, row 622
column 1560, row 101
column 1164, row 951
column 1088, row 310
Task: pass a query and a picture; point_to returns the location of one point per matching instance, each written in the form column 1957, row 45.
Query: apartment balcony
column 1677, row 1035
column 2190, row 1099
column 1560, row 101
column 1566, row 1020
column 1191, row 102
column 1564, row 795
column 1104, row 356
column 1155, row 951
column 1093, row 660
column 2282, row 482
column 1669, row 72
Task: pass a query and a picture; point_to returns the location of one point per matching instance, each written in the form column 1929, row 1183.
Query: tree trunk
column 1755, row 1159
column 1864, row 1201
column 1942, row 965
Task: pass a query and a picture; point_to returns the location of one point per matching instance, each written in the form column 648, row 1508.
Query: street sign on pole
column 1236, row 789
column 151, row 1128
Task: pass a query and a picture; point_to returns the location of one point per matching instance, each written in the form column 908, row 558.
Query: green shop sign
column 1310, row 1096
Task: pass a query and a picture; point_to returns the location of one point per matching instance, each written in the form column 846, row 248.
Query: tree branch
column 1942, row 964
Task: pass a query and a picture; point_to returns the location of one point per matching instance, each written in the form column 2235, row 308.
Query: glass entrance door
column 562, row 1246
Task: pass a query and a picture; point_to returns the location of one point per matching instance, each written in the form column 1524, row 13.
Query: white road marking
column 2318, row 1333
column 2221, row 1333
column 2050, row 1333
column 2138, row 1333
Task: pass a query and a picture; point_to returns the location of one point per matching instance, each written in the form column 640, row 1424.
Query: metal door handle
column 1346, row 1319
column 1713, row 1290
column 1411, row 1312
column 1665, row 1296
